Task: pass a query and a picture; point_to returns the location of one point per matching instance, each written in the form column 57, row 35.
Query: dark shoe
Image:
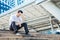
column 27, row 32
column 15, row 32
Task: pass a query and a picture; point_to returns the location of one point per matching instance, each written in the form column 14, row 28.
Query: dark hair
column 20, row 11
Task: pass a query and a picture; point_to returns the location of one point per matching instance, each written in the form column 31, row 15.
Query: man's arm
column 23, row 16
column 11, row 19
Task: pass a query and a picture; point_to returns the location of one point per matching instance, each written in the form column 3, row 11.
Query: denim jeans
column 15, row 28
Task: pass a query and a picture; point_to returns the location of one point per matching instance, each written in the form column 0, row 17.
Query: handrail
column 41, row 2
column 37, row 19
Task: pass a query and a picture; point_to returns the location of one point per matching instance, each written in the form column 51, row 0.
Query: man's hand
column 18, row 23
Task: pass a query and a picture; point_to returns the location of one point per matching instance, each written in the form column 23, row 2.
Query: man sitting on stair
column 16, row 22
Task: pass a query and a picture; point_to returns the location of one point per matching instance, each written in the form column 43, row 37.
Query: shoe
column 27, row 33
column 18, row 34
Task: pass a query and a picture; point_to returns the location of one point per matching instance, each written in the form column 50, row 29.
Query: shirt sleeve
column 11, row 19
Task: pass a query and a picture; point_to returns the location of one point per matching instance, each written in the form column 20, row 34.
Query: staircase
column 37, row 18
column 40, row 22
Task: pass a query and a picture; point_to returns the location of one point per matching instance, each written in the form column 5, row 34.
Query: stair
column 8, row 35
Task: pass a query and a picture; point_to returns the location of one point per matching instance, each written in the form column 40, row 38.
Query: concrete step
column 7, row 35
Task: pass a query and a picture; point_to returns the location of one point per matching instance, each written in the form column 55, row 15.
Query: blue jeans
column 15, row 28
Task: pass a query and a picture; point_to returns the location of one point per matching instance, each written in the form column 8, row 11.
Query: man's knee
column 13, row 22
column 24, row 23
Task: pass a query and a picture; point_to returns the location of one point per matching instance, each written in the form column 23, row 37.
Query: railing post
column 52, row 29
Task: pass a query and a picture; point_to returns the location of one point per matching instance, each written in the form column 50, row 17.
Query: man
column 16, row 22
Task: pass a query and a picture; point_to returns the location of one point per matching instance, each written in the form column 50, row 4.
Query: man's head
column 19, row 12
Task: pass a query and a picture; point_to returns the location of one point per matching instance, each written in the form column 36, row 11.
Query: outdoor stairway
column 8, row 35
column 37, row 21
